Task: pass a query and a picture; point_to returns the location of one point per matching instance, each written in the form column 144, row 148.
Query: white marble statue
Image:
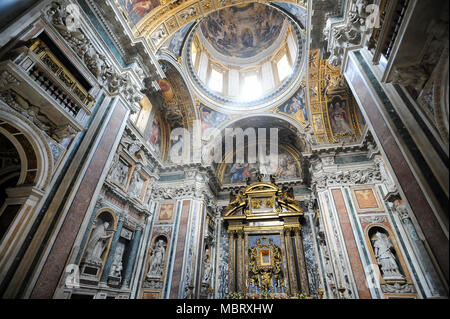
column 120, row 173
column 136, row 183
column 207, row 270
column 97, row 242
column 155, row 268
column 116, row 268
column 385, row 258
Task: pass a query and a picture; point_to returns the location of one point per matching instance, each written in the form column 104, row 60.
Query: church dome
column 241, row 33
column 245, row 57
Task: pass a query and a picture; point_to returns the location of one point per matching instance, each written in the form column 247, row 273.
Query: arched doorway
column 25, row 173
column 10, row 167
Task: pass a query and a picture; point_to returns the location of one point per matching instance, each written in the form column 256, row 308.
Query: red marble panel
column 350, row 243
column 427, row 220
column 181, row 242
column 54, row 265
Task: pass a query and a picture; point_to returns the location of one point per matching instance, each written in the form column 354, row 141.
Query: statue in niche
column 97, row 243
column 155, row 268
column 384, row 253
column 136, row 184
column 207, row 272
column 120, row 173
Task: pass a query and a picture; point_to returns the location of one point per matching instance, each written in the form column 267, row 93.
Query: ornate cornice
column 324, row 177
column 348, row 34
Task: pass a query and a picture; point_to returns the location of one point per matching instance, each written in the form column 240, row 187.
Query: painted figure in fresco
column 339, row 117
column 207, row 120
column 155, row 135
column 177, row 40
column 176, row 150
column 210, row 119
column 296, row 106
column 139, row 8
column 236, row 173
column 97, row 242
column 291, row 170
column 287, row 167
column 242, row 31
column 155, row 267
column 247, row 38
column 383, row 249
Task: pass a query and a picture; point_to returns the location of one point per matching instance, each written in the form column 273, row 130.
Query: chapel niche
column 157, row 259
column 97, row 247
column 386, row 255
column 265, row 249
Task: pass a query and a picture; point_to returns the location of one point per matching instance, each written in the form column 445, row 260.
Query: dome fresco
column 242, row 31
column 245, row 57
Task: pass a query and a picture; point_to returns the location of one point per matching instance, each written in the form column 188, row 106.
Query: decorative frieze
column 374, row 219
column 397, row 288
column 355, row 176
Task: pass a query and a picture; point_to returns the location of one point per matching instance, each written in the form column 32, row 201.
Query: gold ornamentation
column 268, row 202
column 333, row 108
column 283, row 201
column 256, row 203
column 186, row 11
column 46, row 56
column 265, row 265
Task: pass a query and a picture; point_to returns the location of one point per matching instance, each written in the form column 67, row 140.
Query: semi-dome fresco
column 242, row 31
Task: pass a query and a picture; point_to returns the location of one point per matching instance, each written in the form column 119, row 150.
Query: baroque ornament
column 265, row 266
column 343, row 37
column 362, row 176
column 59, row 15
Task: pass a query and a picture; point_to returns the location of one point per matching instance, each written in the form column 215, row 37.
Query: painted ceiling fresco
column 137, row 9
column 335, row 116
column 210, row 119
column 242, row 31
column 174, row 44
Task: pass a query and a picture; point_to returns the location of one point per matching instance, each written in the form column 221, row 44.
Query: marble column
column 133, row 253
column 231, row 262
column 292, row 289
column 301, row 262
column 240, row 261
column 112, row 251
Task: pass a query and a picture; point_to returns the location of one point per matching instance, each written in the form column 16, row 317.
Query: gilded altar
column 265, row 244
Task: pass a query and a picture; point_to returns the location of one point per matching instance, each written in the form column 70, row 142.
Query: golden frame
column 378, row 208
